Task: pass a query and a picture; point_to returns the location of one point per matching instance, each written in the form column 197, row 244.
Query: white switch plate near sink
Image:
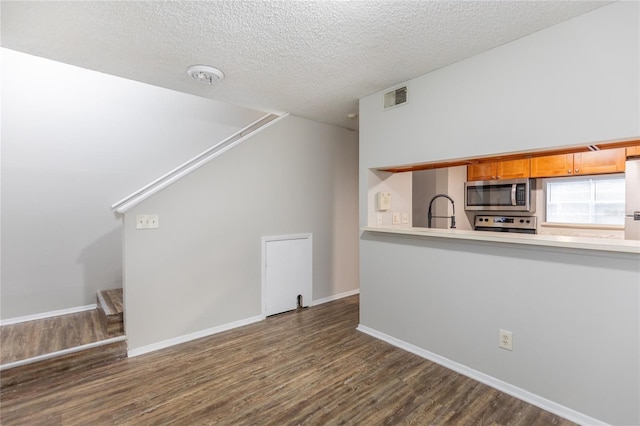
column 395, row 218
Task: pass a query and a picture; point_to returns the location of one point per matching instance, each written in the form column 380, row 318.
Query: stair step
column 75, row 359
column 110, row 307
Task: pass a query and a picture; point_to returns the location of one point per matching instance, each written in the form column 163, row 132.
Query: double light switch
column 147, row 221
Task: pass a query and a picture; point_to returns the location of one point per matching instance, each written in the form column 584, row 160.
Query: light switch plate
column 147, row 221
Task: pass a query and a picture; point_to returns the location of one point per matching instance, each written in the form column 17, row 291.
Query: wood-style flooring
column 302, row 367
column 111, row 310
column 44, row 336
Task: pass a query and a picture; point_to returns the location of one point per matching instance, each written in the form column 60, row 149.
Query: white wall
column 399, row 186
column 574, row 315
column 574, row 83
column 202, row 268
column 74, row 142
column 577, row 82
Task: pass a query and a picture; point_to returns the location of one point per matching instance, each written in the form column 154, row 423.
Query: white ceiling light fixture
column 205, row 74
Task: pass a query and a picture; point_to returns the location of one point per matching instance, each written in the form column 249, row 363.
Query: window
column 594, row 200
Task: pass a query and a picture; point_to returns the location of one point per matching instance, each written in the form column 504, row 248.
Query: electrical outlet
column 395, row 218
column 405, row 217
column 506, row 340
column 379, row 219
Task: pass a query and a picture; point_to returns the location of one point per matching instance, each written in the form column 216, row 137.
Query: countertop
column 599, row 244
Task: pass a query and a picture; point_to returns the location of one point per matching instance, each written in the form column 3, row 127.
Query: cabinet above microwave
column 507, row 169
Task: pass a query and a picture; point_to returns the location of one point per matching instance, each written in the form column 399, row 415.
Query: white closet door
column 288, row 274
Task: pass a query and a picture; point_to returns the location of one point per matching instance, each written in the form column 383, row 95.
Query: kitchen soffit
column 509, row 156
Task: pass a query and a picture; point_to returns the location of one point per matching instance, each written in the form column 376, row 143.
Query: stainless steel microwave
column 502, row 195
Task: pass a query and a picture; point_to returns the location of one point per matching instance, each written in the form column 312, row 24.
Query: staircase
column 49, row 354
column 110, row 310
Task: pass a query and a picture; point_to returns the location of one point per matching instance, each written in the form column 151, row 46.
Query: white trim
column 287, row 237
column 505, row 387
column 336, row 297
column 191, row 165
column 265, row 240
column 42, row 315
column 56, row 354
column 582, row 226
column 191, row 336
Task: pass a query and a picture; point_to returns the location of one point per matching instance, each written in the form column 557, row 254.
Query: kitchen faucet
column 452, row 217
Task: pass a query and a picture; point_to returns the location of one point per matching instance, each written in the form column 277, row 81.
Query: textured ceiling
column 312, row 58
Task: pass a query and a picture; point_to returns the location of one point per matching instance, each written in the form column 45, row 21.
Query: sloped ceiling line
column 196, row 162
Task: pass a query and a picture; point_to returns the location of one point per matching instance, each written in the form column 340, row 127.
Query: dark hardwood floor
column 302, row 367
column 39, row 337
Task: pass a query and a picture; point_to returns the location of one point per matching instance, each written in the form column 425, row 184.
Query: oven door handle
column 513, row 194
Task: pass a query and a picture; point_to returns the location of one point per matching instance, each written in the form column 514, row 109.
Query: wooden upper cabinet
column 599, row 162
column 510, row 169
column 584, row 163
column 633, row 151
column 513, row 169
column 482, row 171
column 552, row 165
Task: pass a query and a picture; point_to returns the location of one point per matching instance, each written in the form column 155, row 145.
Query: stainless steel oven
column 518, row 224
column 504, row 195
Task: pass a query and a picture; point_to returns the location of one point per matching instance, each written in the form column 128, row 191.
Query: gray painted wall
column 574, row 315
column 74, row 142
column 423, row 187
column 569, row 84
column 577, row 82
column 428, row 183
column 202, row 268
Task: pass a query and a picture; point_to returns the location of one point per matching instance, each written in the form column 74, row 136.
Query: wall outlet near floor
column 506, row 340
column 395, row 218
column 405, row 217
column 379, row 219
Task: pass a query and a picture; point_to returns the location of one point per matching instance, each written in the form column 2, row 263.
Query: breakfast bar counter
column 598, row 244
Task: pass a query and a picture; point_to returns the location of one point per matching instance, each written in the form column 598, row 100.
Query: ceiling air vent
column 395, row 97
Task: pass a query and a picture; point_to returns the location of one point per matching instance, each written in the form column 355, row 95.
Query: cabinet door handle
column 569, row 171
column 577, row 170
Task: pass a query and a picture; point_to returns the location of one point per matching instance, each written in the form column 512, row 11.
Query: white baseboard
column 42, row 315
column 191, row 336
column 62, row 352
column 210, row 331
column 336, row 297
column 505, row 387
